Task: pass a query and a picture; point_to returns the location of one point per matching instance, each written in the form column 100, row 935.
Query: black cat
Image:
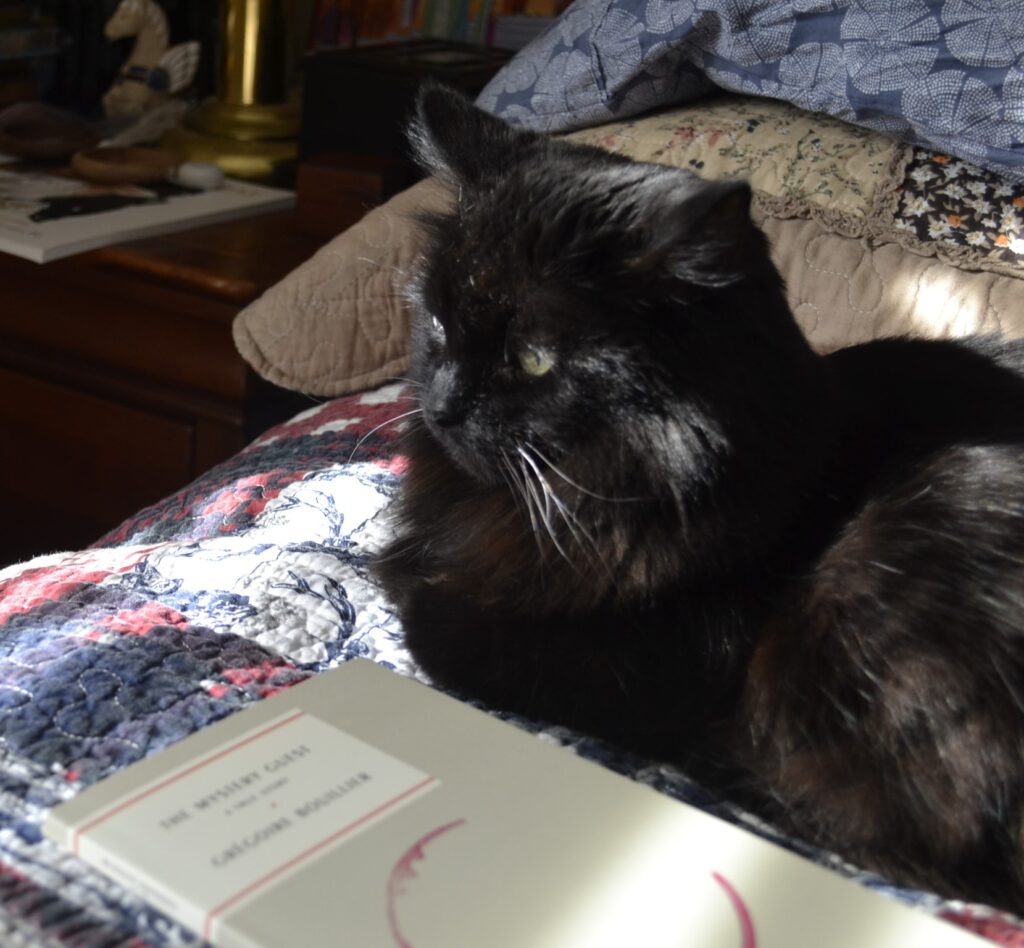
column 639, row 504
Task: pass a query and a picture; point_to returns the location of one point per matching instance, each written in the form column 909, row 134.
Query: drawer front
column 72, row 466
column 121, row 323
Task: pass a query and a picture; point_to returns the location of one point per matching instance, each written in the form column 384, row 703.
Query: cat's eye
column 535, row 362
column 435, row 324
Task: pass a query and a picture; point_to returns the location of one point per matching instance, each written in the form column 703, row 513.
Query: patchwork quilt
column 245, row 583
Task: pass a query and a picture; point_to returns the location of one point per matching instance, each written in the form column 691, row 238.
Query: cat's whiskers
column 570, row 518
column 543, row 508
column 553, row 502
column 545, row 488
column 583, row 490
column 521, row 497
column 383, row 424
column 399, row 271
column 415, row 383
column 539, row 495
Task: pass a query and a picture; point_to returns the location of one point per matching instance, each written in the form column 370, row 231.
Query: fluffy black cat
column 639, row 504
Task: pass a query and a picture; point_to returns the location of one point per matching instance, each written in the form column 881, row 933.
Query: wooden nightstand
column 119, row 379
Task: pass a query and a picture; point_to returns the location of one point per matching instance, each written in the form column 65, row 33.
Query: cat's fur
column 639, row 504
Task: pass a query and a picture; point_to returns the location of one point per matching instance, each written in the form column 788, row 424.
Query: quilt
column 246, row 582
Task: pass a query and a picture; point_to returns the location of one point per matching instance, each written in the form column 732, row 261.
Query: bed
column 255, row 577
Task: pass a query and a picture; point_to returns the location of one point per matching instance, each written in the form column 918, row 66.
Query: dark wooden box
column 358, row 100
column 335, row 189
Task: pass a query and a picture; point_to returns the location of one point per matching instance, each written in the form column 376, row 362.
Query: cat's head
column 569, row 291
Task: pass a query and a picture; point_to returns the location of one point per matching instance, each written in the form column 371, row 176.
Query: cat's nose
column 448, row 398
column 448, row 413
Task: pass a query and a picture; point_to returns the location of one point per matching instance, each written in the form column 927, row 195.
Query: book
column 45, row 216
column 364, row 808
column 479, row 20
column 437, row 17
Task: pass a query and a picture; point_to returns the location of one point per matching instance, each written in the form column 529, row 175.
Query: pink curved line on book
column 403, row 872
column 742, row 912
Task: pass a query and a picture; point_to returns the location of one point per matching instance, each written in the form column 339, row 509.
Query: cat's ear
column 457, row 142
column 698, row 231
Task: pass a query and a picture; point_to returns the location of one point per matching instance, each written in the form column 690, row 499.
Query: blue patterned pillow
column 945, row 74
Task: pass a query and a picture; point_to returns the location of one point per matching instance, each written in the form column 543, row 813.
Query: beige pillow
column 844, row 291
column 798, row 164
column 337, row 324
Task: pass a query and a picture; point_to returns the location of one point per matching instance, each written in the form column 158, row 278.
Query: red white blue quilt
column 246, row 582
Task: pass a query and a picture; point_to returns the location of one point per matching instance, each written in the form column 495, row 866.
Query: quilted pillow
column 944, row 74
column 337, row 324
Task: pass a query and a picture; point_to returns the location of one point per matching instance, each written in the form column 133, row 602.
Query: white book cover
column 46, row 216
column 362, row 808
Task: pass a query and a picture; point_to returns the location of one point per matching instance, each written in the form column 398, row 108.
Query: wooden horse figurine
column 152, row 71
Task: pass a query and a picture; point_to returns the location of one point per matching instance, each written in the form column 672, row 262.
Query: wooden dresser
column 119, row 379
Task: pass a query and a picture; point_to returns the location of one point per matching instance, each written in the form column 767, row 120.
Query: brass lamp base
column 249, row 122
column 252, row 142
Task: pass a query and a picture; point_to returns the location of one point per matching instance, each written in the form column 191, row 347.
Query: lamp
column 250, row 125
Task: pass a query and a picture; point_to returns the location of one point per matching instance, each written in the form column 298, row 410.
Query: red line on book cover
column 156, row 788
column 295, row 860
column 403, row 872
column 742, row 912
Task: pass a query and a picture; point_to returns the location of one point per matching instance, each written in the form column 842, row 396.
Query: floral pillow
column 944, row 74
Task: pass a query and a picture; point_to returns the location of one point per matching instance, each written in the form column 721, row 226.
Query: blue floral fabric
column 944, row 74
